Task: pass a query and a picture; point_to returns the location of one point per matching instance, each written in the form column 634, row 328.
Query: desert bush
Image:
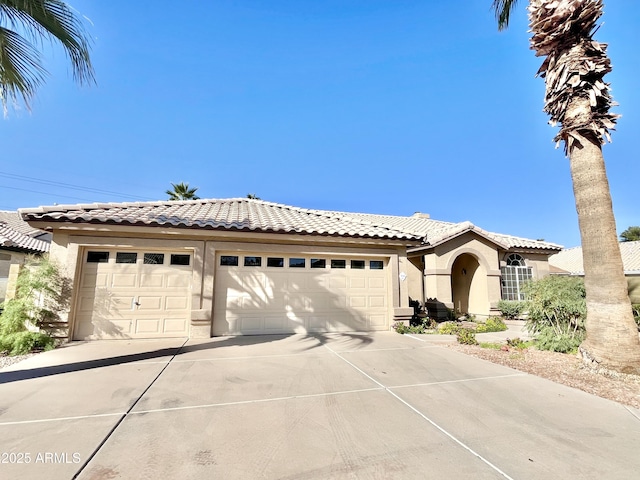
column 493, row 324
column 449, row 328
column 549, row 339
column 556, row 303
column 466, row 337
column 41, row 293
column 511, row 309
column 20, row 343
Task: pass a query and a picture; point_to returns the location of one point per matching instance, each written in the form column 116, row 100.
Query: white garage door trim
column 263, row 293
column 133, row 293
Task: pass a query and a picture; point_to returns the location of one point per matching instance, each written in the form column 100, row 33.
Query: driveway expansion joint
column 131, row 407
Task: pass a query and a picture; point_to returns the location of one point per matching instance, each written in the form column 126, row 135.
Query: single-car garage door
column 280, row 293
column 133, row 294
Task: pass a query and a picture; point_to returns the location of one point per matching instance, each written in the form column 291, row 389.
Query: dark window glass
column 229, row 260
column 376, row 264
column 252, row 261
column 357, row 264
column 297, row 263
column 126, row 257
column 97, row 257
column 338, row 264
column 318, row 263
column 153, row 258
column 179, row 259
column 275, row 262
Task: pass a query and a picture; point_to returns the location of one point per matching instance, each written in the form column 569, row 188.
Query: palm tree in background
column 579, row 100
column 181, row 191
column 24, row 25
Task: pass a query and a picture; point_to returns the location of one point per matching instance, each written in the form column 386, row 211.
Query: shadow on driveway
column 27, row 374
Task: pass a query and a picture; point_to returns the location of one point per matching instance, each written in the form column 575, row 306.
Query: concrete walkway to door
column 348, row 405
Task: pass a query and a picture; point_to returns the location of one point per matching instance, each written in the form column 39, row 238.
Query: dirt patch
column 562, row 368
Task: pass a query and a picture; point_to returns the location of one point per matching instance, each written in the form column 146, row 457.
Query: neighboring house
column 569, row 262
column 244, row 266
column 17, row 240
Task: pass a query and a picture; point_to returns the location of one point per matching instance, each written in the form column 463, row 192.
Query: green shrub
column 549, row 339
column 449, row 328
column 517, row 343
column 558, row 303
column 41, row 293
column 400, row 328
column 20, row 343
column 511, row 309
column 636, row 313
column 493, row 324
column 466, row 336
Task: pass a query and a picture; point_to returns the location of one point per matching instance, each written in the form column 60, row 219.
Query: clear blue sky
column 379, row 106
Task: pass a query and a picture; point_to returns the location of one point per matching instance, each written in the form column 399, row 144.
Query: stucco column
column 402, row 312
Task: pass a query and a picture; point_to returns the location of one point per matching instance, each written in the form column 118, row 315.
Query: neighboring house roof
column 436, row 232
column 258, row 215
column 571, row 259
column 15, row 221
column 240, row 214
column 12, row 239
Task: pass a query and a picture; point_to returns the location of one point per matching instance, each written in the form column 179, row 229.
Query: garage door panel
column 357, row 282
column 121, row 280
column 358, row 301
column 276, row 323
column 94, row 280
column 178, row 280
column 249, row 324
column 148, row 325
column 150, row 303
column 119, row 304
column 377, row 283
column 378, row 321
column 175, row 325
column 176, row 303
column 336, row 282
column 151, row 281
column 377, row 301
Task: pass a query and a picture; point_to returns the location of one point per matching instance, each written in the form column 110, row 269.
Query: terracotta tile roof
column 257, row 215
column 15, row 240
column 228, row 214
column 571, row 259
column 437, row 232
column 14, row 220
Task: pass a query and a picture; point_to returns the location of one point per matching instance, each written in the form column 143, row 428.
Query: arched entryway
column 469, row 286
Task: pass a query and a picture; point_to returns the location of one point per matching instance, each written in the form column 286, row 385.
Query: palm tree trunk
column 612, row 336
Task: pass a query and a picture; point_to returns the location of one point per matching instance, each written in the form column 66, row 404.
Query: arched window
column 514, row 275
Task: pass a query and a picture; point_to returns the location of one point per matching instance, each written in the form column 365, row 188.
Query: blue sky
column 378, row 106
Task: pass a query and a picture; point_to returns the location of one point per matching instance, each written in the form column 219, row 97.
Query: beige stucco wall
column 10, row 264
column 483, row 285
column 68, row 248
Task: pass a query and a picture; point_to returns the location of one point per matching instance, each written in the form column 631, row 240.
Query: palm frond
column 502, row 10
column 39, row 21
column 21, row 70
column 574, row 67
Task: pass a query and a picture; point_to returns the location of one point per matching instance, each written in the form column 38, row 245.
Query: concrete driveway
column 321, row 406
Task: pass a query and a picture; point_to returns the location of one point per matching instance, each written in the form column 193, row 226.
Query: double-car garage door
column 278, row 293
column 126, row 293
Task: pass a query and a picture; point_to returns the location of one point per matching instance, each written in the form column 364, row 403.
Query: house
column 569, row 262
column 245, row 266
column 17, row 240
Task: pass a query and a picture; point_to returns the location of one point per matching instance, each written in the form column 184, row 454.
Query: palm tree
column 24, row 24
column 631, row 234
column 181, row 191
column 578, row 99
